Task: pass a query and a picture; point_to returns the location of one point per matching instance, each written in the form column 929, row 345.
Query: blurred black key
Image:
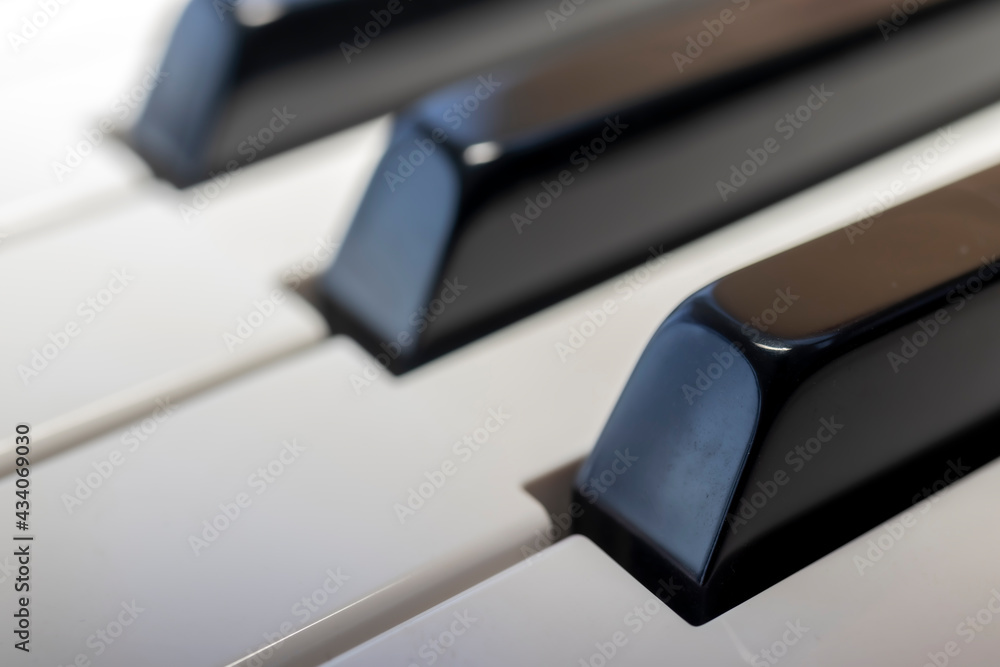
column 507, row 193
column 789, row 407
column 221, row 47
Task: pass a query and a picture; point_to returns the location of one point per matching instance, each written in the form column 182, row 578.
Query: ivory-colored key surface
column 108, row 316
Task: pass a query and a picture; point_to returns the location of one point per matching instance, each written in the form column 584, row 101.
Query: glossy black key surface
column 475, row 219
column 789, row 407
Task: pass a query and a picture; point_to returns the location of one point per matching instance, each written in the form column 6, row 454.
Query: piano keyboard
column 228, row 468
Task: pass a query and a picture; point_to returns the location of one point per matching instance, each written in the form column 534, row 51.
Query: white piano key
column 565, row 605
column 113, row 312
column 148, row 515
column 370, row 441
column 283, row 217
column 73, row 75
column 59, row 162
column 930, row 596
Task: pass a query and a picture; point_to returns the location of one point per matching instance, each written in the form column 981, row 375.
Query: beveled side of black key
column 789, row 407
column 379, row 286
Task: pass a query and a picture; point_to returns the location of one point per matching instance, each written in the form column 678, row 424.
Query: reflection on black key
column 791, row 406
column 490, row 204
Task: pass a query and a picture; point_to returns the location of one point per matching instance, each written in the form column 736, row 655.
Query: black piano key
column 231, row 63
column 789, row 407
column 538, row 216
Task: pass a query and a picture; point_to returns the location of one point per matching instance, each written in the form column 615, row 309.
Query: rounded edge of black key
column 704, row 520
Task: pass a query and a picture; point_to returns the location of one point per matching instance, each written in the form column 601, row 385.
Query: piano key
column 254, row 57
column 560, row 607
column 284, row 219
column 808, row 355
column 573, row 605
column 424, row 289
column 73, row 80
column 117, row 311
column 333, row 400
